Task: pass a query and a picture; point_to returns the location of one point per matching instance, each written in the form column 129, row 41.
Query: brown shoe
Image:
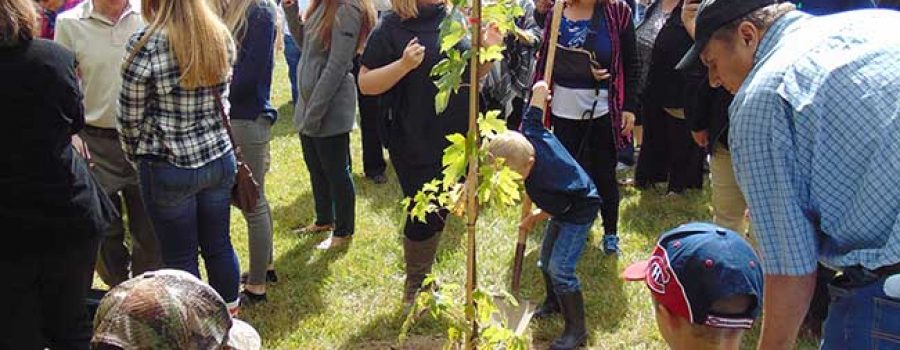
column 314, row 228
column 419, row 258
column 334, row 242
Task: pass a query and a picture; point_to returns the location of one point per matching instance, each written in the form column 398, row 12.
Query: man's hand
column 490, row 35
column 627, row 122
column 689, row 16
column 701, row 138
column 81, row 147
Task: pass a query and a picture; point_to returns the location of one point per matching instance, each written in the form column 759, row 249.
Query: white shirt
column 577, row 103
column 99, row 47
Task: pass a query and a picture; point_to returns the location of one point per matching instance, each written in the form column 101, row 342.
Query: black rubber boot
column 575, row 334
column 550, row 306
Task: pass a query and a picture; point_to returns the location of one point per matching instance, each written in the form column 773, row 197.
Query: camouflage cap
column 165, row 309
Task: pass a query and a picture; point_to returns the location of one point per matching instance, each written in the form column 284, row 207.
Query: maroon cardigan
column 623, row 63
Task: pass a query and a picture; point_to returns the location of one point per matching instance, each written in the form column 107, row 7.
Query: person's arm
column 133, row 99
column 379, row 80
column 257, row 52
column 295, row 26
column 344, row 40
column 762, row 149
column 785, row 303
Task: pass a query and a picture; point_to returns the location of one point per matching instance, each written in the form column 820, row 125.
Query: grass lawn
column 351, row 300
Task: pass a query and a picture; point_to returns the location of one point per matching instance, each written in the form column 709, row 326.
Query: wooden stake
column 472, row 177
column 554, row 38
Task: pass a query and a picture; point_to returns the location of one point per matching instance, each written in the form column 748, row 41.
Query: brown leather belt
column 101, row 132
column 887, row 270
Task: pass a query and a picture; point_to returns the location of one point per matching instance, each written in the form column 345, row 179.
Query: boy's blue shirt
column 557, row 184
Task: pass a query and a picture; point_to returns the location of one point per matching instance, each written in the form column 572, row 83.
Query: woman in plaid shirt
column 171, row 129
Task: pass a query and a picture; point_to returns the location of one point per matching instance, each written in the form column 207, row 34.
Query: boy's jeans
column 190, row 211
column 562, row 247
column 861, row 317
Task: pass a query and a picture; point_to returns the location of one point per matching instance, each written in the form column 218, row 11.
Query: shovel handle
column 517, row 267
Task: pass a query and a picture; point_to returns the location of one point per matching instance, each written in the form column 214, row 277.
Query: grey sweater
column 327, row 102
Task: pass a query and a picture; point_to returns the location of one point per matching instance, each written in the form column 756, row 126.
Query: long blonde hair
column 234, row 14
column 18, row 21
column 202, row 44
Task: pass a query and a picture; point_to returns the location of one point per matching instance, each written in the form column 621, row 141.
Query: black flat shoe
column 249, row 299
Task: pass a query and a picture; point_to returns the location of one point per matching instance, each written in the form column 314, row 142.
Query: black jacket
column 49, row 198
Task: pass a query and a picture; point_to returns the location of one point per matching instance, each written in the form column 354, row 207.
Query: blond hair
column 18, row 20
column 515, row 150
column 202, row 44
column 406, row 9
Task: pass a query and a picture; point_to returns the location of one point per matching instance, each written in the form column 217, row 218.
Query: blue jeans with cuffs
column 562, row 247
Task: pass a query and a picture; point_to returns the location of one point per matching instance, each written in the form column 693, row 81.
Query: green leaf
column 490, row 124
column 454, row 160
column 491, row 53
column 441, row 100
column 452, row 32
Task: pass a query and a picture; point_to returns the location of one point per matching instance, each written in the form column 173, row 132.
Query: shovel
column 518, row 315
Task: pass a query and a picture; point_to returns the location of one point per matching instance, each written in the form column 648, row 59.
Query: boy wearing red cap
column 706, row 284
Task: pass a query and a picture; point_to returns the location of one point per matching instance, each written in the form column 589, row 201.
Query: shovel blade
column 516, row 317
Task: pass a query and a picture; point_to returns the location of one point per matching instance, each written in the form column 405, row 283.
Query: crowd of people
column 132, row 119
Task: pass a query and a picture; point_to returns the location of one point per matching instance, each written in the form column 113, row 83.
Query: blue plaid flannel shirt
column 159, row 118
column 815, row 139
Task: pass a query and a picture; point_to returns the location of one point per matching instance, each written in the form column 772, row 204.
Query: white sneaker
column 620, row 167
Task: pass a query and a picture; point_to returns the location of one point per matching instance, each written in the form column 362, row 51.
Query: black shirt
column 48, row 195
column 413, row 130
column 666, row 87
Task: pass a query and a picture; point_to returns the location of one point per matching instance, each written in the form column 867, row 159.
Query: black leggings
column 591, row 143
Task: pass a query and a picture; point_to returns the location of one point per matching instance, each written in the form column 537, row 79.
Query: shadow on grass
column 647, row 210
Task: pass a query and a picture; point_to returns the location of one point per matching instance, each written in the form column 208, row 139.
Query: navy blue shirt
column 252, row 81
column 557, row 184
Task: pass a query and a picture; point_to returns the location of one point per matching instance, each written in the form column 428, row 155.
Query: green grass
column 351, row 299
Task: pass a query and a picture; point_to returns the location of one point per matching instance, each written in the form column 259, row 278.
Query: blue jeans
column 292, row 58
column 861, row 317
column 562, row 247
column 190, row 212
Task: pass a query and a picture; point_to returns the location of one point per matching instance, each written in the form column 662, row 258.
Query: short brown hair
column 18, row 20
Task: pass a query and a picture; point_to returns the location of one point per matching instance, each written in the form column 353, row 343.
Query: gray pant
column 119, row 179
column 252, row 136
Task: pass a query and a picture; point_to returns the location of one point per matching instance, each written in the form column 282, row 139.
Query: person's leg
column 318, row 180
column 63, row 288
column 652, row 158
column 145, row 254
column 252, row 136
column 170, row 197
column 685, row 157
column 108, row 159
column 603, row 172
column 333, row 156
column 563, row 261
column 550, row 305
column 372, row 149
column 514, row 120
column 292, row 58
column 728, row 202
column 21, row 324
column 213, row 216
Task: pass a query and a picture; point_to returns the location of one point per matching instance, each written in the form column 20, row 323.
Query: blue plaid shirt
column 815, row 139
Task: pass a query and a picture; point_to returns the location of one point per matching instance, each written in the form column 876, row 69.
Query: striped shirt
column 159, row 118
column 815, row 145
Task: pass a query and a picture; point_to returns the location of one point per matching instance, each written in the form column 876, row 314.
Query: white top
column 382, row 5
column 99, row 47
column 577, row 103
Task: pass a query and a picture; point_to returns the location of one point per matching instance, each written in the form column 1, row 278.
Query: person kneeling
column 566, row 195
column 706, row 283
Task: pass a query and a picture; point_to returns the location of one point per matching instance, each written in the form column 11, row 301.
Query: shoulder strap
column 227, row 123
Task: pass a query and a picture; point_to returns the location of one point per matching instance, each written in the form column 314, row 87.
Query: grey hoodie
column 327, row 102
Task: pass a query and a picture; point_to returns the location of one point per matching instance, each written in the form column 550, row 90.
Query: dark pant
column 370, row 113
column 668, row 153
column 328, row 162
column 412, row 177
column 591, row 143
column 292, row 58
column 190, row 210
column 861, row 316
column 44, row 299
column 514, row 120
column 120, row 181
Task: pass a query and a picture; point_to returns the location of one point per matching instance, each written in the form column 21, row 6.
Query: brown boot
column 419, row 259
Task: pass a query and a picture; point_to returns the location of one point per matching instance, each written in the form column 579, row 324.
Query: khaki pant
column 727, row 200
